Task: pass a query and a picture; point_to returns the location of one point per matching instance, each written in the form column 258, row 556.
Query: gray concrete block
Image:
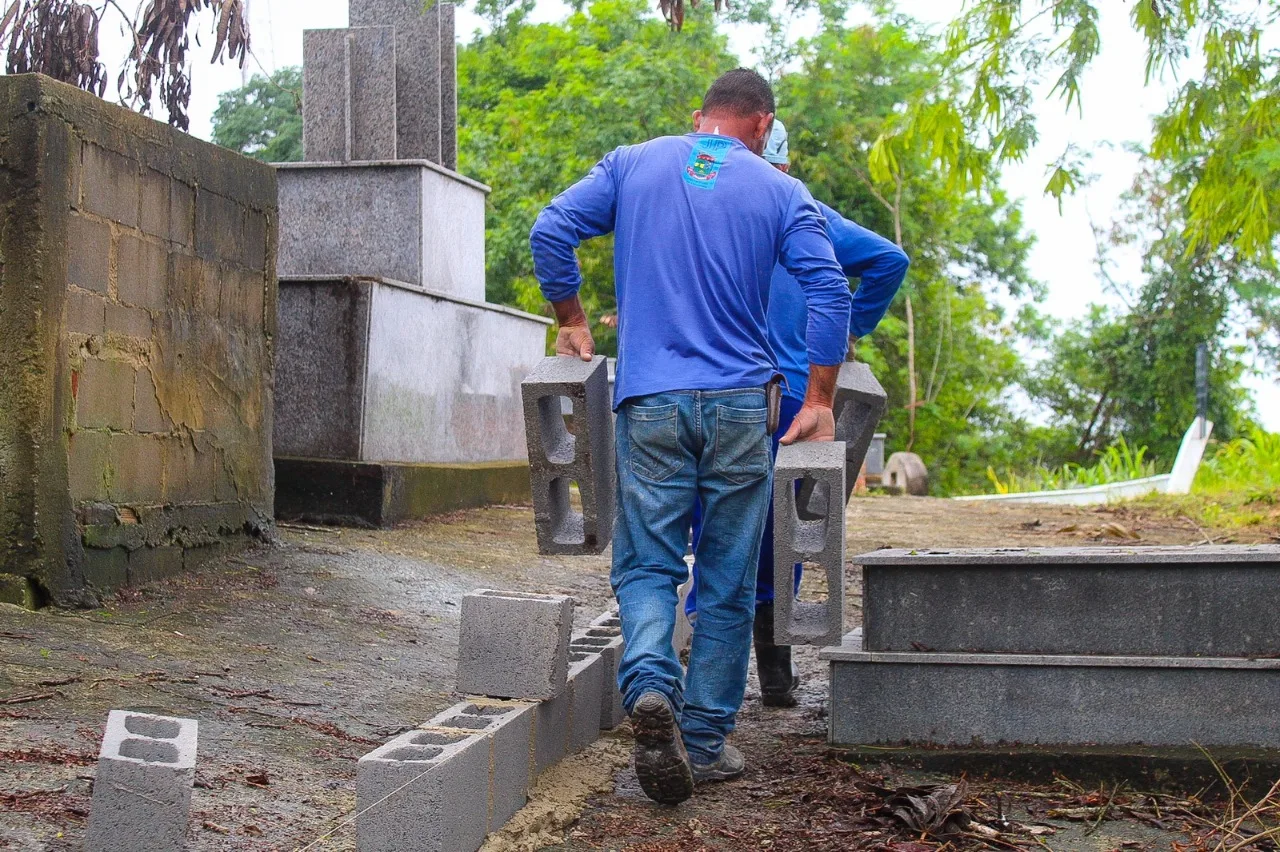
column 425, row 791
column 607, row 640
column 1194, row 601
column 551, row 731
column 510, row 729
column 142, row 791
column 859, row 404
column 819, row 543
column 325, row 124
column 586, row 691
column 372, row 86
column 558, row 456
column 514, row 644
column 989, row 699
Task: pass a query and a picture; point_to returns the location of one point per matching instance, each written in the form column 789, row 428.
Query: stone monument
column 398, row 386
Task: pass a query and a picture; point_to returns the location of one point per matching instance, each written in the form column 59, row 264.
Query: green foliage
column 1247, row 465
column 1117, row 463
column 1229, row 112
column 263, row 119
column 540, row 104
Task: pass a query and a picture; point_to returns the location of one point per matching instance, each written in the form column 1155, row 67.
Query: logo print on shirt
column 705, row 162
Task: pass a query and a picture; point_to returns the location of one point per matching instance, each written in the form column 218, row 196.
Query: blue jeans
column 764, row 573
column 674, row 450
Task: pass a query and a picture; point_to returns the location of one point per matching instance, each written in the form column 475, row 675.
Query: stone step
column 1221, row 601
column 939, row 699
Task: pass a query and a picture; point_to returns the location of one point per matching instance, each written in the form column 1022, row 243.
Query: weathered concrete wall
column 137, row 314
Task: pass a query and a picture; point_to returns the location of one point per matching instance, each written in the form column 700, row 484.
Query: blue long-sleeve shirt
column 864, row 254
column 700, row 224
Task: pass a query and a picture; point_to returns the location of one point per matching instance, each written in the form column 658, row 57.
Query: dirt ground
column 300, row 657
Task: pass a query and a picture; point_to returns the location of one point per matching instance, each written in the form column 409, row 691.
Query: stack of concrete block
column 859, row 404
column 508, row 725
column 1113, row 646
column 558, row 457
column 609, row 626
column 514, row 644
column 819, row 542
column 142, row 792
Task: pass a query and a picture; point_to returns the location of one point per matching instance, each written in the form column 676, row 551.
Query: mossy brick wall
column 137, row 315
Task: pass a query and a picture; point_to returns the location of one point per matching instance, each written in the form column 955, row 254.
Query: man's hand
column 812, row 423
column 815, row 420
column 574, row 337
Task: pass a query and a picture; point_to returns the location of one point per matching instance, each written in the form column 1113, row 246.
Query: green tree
column 264, row 118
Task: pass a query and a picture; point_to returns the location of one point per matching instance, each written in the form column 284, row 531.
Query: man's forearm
column 822, row 385
column 569, row 312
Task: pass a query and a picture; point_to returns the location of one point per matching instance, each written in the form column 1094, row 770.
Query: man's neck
column 742, row 129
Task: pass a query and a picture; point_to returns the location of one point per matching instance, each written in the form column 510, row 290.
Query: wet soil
column 300, row 657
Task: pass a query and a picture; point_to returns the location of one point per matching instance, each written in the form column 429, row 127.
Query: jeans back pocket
column 742, row 444
column 654, row 444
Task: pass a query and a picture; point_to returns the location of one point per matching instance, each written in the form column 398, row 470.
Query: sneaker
column 729, row 766
column 662, row 764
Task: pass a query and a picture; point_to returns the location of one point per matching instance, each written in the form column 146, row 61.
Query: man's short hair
column 741, row 93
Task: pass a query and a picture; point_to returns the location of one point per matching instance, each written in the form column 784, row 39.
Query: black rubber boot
column 779, row 677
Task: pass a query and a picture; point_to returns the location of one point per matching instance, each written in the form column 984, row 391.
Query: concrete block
column 325, row 135
column 990, row 699
column 220, row 225
column 425, row 791
column 128, row 322
column 606, row 639
column 149, row 564
column 153, row 214
column 88, row 254
column 104, row 395
column 1165, row 601
column 137, row 469
column 372, row 69
column 586, row 687
column 87, row 461
column 818, row 543
column 514, row 644
column 142, row 273
column 859, row 404
column 106, row 568
column 509, row 726
column 110, row 185
column 142, row 790
column 86, row 313
column 551, row 731
column 147, row 414
column 182, row 214
column 558, row 456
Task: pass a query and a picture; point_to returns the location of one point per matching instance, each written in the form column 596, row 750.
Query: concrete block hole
column 469, row 723
column 810, row 528
column 434, row 738
column 479, row 710
column 555, row 418
column 566, row 512
column 611, row 632
column 149, row 751
column 156, row 729
column 593, row 640
column 414, row 754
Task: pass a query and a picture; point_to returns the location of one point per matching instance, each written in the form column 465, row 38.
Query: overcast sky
column 1117, row 110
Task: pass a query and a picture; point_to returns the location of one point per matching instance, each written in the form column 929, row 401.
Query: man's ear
column 764, row 127
column 697, row 120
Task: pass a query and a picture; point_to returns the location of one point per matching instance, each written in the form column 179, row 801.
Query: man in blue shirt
column 881, row 266
column 700, row 223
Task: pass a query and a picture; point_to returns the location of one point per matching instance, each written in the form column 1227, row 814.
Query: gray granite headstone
column 448, row 89
column 372, row 80
column 324, row 95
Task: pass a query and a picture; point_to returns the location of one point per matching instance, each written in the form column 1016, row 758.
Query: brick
column 586, row 690
column 137, row 464
column 142, row 791
column 510, row 729
column 557, row 457
column 147, row 414
column 128, row 322
column 153, row 214
column 88, row 254
column 86, row 313
column 253, row 248
column 142, row 273
column 608, row 642
column 149, row 564
column 104, row 397
column 106, row 568
column 88, row 460
column 424, row 790
column 859, row 404
column 818, row 542
column 513, row 644
column 219, row 227
column 182, row 214
column 110, row 186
